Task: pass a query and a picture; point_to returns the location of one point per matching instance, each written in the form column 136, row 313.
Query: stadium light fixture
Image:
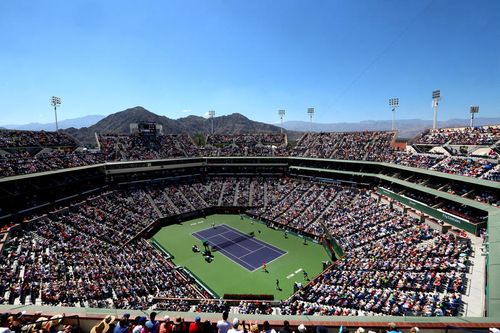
column 473, row 110
column 394, row 104
column 436, row 96
column 310, row 112
column 211, row 114
column 55, row 102
column 281, row 114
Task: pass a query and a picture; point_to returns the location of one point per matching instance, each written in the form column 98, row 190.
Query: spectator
column 235, row 328
column 123, row 325
column 196, row 326
column 392, row 328
column 179, row 325
column 223, row 325
column 267, row 328
column 286, row 327
column 166, row 326
column 155, row 325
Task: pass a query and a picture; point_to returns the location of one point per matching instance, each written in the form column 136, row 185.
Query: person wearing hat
column 56, row 321
column 16, row 322
column 148, row 327
column 254, row 328
column 42, row 324
column 235, row 325
column 101, row 327
column 301, row 328
column 196, row 326
column 140, row 322
column 392, row 328
column 166, row 326
column 223, row 325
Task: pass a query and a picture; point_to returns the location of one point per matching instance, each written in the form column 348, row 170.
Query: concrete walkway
column 475, row 295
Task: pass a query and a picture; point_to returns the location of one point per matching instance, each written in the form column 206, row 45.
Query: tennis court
column 225, row 275
column 243, row 249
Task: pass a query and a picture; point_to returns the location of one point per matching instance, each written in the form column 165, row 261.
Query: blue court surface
column 249, row 252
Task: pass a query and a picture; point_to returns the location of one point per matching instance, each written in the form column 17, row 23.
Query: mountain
column 75, row 122
column 118, row 123
column 235, row 123
column 407, row 128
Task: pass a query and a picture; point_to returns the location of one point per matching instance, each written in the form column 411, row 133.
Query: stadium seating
column 86, row 255
column 31, row 152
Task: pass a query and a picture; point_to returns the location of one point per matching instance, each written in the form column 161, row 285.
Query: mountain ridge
column 83, row 128
column 118, row 123
column 407, row 128
column 66, row 123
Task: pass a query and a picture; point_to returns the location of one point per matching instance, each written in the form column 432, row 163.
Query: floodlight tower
column 394, row 104
column 55, row 102
column 211, row 114
column 281, row 114
column 436, row 96
column 310, row 112
column 473, row 110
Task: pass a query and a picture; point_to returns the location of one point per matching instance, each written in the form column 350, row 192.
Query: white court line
column 277, row 257
column 290, row 276
column 260, row 248
column 268, row 246
column 207, row 238
column 193, row 223
column 257, row 241
column 233, row 258
column 230, row 256
column 201, row 222
column 233, row 242
column 297, row 271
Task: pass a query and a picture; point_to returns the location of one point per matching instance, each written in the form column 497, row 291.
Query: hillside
column 119, row 122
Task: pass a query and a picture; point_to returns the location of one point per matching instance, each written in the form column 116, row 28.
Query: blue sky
column 345, row 58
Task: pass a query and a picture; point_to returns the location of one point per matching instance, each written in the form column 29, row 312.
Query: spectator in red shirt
column 196, row 326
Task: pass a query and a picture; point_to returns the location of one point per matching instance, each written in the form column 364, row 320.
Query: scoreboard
column 147, row 128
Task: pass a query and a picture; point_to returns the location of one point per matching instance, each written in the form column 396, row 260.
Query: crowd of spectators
column 23, row 162
column 173, row 199
column 257, row 144
column 31, row 152
column 34, row 139
column 246, row 139
column 145, row 147
column 86, row 254
column 78, row 257
column 470, row 167
column 425, row 161
column 411, row 270
column 483, row 135
column 493, row 174
column 394, row 265
column 150, row 322
column 373, row 146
